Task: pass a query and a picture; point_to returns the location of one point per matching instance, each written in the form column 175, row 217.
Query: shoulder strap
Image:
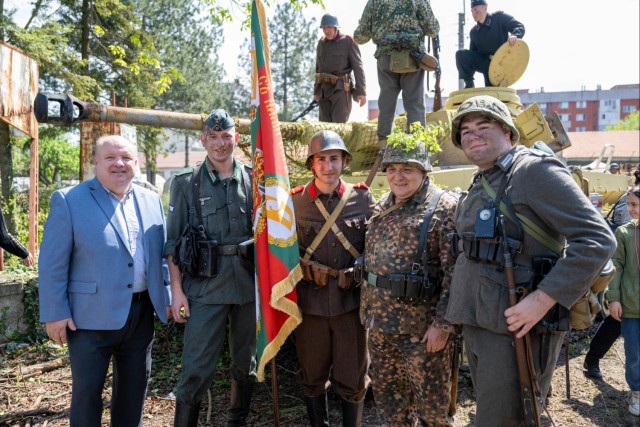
column 421, row 253
column 329, row 223
column 529, row 226
column 195, row 213
column 336, row 230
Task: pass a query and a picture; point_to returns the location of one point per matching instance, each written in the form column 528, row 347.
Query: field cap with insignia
column 219, row 120
column 475, row 3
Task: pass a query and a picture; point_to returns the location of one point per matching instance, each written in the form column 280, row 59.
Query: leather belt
column 228, row 250
column 137, row 296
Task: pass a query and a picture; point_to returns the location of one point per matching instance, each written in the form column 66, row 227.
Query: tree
column 292, row 42
column 631, row 122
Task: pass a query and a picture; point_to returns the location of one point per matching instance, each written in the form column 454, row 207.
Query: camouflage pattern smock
column 387, row 21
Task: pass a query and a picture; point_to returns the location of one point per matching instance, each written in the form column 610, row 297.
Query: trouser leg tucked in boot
column 352, row 413
column 240, row 405
column 318, row 410
column 186, row 414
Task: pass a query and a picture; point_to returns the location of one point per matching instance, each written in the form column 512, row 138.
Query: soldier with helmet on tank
column 330, row 218
column 556, row 245
column 337, row 54
column 403, row 304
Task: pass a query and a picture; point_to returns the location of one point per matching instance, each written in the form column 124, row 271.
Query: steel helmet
column 418, row 156
column 487, row 105
column 325, row 140
column 329, row 20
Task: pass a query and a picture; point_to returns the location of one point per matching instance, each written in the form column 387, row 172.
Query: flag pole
column 274, row 392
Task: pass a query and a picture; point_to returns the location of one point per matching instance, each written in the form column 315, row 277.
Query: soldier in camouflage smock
column 409, row 344
column 394, row 25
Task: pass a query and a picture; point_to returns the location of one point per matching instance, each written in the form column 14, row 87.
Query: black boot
column 352, row 413
column 186, row 414
column 318, row 410
column 593, row 368
column 240, row 405
column 468, row 84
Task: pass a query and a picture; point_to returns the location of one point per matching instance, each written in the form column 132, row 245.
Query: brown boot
column 240, row 405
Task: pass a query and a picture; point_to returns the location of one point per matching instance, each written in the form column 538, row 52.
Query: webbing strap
column 329, row 223
column 529, row 226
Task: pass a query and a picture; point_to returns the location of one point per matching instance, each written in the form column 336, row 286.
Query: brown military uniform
column 330, row 337
column 540, row 188
column 338, row 57
column 409, row 383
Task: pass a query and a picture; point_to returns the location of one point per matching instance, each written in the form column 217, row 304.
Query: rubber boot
column 318, row 410
column 468, row 84
column 186, row 414
column 352, row 413
column 240, row 405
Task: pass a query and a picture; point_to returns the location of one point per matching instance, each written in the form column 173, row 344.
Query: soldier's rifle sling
column 375, row 167
column 525, row 374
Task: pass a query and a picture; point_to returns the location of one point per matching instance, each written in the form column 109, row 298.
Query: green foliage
column 292, row 41
column 631, row 122
column 428, row 135
column 35, row 333
column 57, row 157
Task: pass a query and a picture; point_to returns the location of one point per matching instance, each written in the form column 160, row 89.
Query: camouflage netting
column 361, row 139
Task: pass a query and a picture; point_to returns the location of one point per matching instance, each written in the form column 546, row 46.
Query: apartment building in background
column 579, row 111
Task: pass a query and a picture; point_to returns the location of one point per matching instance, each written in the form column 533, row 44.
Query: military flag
column 277, row 257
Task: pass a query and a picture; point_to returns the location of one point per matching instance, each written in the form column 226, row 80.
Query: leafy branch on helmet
column 428, row 135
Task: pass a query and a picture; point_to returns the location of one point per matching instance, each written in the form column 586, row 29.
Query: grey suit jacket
column 85, row 267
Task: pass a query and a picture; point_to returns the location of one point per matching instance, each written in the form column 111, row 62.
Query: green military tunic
column 226, row 216
column 542, row 189
column 226, row 300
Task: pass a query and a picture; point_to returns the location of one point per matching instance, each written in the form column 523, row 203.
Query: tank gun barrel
column 67, row 110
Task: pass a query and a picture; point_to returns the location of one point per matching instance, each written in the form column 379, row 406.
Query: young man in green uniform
column 208, row 304
column 330, row 341
column 556, row 237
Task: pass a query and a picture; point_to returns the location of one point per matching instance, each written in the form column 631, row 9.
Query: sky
column 574, row 44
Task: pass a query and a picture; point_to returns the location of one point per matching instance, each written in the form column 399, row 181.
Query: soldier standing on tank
column 207, row 305
column 531, row 184
column 393, row 26
column 403, row 304
column 337, row 55
column 331, row 340
column 491, row 31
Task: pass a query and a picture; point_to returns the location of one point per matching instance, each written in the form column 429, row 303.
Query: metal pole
column 274, row 392
column 461, row 23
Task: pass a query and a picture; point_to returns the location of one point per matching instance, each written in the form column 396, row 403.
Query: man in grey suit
column 101, row 277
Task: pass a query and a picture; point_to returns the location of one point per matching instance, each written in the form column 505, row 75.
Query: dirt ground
column 42, row 399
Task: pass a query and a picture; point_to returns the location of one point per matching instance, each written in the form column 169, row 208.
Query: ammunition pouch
column 333, row 79
column 247, row 251
column 405, row 286
column 345, row 278
column 358, row 270
column 317, row 273
column 487, row 251
column 206, row 258
column 557, row 318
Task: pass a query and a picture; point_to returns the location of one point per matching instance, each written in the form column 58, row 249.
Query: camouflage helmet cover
column 325, row 140
column 487, row 105
column 329, row 20
column 417, row 156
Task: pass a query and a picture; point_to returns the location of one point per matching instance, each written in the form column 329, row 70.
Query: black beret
column 475, row 3
column 219, row 120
